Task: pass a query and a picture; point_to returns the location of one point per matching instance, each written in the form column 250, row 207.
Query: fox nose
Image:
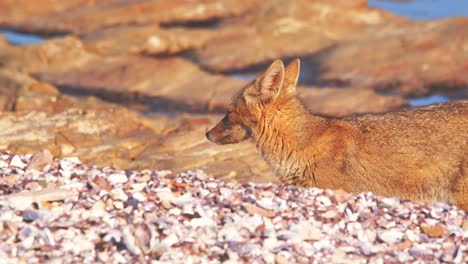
column 207, row 134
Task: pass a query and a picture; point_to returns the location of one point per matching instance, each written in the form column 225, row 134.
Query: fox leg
column 460, row 190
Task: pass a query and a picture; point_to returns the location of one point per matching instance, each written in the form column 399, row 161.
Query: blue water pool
column 424, row 9
column 21, row 38
column 428, row 100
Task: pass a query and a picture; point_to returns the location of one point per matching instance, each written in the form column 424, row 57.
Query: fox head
column 256, row 102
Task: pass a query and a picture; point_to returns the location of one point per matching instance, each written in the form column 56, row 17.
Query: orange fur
column 419, row 153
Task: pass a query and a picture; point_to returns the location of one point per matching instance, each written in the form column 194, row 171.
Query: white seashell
column 403, row 257
column 306, row 230
column 118, row 205
column 164, row 194
column 201, row 222
column 330, row 214
column 180, row 201
column 118, row 194
column 204, row 192
column 103, row 256
column 226, row 193
column 266, row 203
column 27, row 242
column 339, row 256
column 251, row 222
column 164, row 173
column 3, row 164
column 390, row 236
column 188, row 209
column 138, row 187
column 130, row 240
column 392, row 202
column 268, row 257
column 353, row 227
column 170, row 240
column 48, row 237
column 68, row 164
column 351, row 216
column 117, row 178
column 98, row 209
column 367, row 235
column 431, row 222
column 411, row 236
column 82, row 244
column 212, row 185
column 17, row 162
column 368, row 248
column 175, row 211
column 269, row 194
column 323, row 200
column 271, row 243
column 140, row 196
column 119, row 258
column 230, row 232
column 283, row 257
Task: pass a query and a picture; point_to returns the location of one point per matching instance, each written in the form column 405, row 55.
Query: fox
column 418, row 154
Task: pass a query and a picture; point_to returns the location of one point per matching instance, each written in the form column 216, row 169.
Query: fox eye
column 226, row 120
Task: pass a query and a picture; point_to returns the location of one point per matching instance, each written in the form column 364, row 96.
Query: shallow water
column 245, row 76
column 423, row 9
column 21, row 38
column 427, row 100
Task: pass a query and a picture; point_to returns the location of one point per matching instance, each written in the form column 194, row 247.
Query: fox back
column 418, row 153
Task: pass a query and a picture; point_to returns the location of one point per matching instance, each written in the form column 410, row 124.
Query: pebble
column 103, row 183
column 30, row 215
column 133, row 202
column 433, row 230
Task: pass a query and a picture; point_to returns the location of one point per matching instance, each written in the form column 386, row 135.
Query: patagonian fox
column 416, row 153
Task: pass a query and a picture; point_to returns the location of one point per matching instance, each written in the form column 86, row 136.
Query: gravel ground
column 63, row 211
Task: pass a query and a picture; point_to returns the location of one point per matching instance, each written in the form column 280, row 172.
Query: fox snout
column 212, row 136
column 228, row 132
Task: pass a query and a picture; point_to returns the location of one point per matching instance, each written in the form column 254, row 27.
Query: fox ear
column 271, row 81
column 291, row 75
